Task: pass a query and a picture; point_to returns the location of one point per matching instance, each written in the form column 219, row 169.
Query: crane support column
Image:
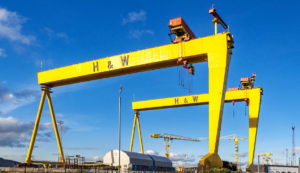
column 55, row 128
column 218, row 65
column 140, row 134
column 46, row 93
column 136, row 121
column 133, row 131
column 254, row 108
column 36, row 127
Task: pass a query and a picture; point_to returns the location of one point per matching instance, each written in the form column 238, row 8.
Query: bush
column 218, row 170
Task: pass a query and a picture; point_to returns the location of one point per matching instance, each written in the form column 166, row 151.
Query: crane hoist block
column 181, row 30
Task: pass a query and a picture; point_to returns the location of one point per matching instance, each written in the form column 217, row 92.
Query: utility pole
column 258, row 163
column 293, row 146
column 120, row 128
column 287, row 157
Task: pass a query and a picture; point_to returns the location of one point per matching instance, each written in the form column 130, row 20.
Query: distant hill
column 7, row 163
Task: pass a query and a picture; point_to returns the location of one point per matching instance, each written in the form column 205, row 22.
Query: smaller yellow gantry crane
column 169, row 137
column 236, row 139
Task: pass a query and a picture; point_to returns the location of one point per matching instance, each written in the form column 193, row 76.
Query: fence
column 62, row 170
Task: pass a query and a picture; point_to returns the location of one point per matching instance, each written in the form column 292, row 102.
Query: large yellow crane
column 247, row 93
column 215, row 49
column 236, row 139
column 167, row 140
column 251, row 96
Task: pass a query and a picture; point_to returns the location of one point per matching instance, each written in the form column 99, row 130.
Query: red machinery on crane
column 182, row 32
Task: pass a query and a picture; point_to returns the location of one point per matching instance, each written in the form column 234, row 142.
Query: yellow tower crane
column 169, row 137
column 236, row 139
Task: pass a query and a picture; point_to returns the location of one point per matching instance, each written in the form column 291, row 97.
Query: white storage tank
column 137, row 161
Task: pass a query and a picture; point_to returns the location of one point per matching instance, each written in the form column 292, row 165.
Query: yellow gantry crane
column 215, row 49
column 167, row 140
column 236, row 139
column 252, row 96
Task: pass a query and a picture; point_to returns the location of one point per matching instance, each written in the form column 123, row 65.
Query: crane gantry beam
column 216, row 50
column 253, row 97
column 213, row 49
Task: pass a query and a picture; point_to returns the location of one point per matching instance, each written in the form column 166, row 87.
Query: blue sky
column 60, row 33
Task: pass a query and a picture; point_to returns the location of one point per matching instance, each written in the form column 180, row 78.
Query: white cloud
column 12, row 100
column 56, row 35
column 183, row 160
column 137, row 33
column 97, row 158
column 243, row 155
column 2, row 53
column 135, row 16
column 62, row 35
column 14, row 133
column 297, row 149
column 59, row 115
column 152, row 152
column 11, row 27
column 178, row 160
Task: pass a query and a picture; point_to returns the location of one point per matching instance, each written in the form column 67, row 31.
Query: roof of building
column 127, row 158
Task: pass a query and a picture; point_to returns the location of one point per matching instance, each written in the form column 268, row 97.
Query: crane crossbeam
column 253, row 97
column 194, row 51
column 192, row 100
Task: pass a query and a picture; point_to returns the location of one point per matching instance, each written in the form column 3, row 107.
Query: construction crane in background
column 263, row 155
column 267, row 161
column 167, row 140
column 293, row 147
column 264, row 158
column 236, row 139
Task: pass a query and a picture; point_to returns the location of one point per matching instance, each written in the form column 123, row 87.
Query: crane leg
column 218, row 65
column 254, row 107
column 46, row 93
column 133, row 130
column 36, row 127
column 140, row 134
column 55, row 128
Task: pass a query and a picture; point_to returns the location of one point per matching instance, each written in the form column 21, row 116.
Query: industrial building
column 137, row 161
column 275, row 169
